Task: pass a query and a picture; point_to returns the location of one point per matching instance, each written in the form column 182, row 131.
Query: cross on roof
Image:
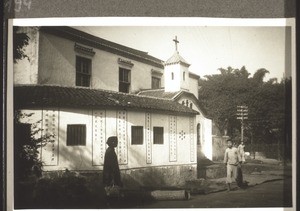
column 176, row 42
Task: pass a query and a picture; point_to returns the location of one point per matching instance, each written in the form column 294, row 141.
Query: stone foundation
column 148, row 177
column 163, row 176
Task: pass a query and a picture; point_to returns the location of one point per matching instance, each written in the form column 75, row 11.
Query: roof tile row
column 37, row 96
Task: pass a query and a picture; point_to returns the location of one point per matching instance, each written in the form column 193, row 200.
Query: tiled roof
column 37, row 96
column 175, row 59
column 158, row 93
column 97, row 42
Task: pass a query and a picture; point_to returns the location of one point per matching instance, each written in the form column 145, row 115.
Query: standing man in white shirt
column 232, row 160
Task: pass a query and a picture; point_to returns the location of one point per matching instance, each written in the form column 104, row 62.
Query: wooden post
column 242, row 114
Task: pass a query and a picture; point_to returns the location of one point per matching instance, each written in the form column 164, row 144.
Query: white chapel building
column 82, row 89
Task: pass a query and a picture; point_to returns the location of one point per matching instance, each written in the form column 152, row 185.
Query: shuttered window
column 83, row 71
column 155, row 83
column 158, row 135
column 124, row 80
column 76, row 135
column 137, row 135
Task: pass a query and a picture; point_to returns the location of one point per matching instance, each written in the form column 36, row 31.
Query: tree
column 259, row 75
column 267, row 101
column 268, row 114
column 26, row 147
column 221, row 93
column 20, row 40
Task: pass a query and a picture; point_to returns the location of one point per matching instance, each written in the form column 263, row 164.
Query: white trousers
column 231, row 173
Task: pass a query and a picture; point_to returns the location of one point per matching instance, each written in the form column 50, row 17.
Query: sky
column 207, row 48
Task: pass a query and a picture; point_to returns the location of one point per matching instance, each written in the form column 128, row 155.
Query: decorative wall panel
column 173, row 138
column 122, row 149
column 148, row 138
column 99, row 137
column 192, row 140
column 50, row 127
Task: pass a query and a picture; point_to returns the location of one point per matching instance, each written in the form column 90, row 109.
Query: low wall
column 163, row 176
column 149, row 177
column 219, row 170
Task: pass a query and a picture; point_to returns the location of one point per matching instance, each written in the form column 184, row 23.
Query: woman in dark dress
column 111, row 171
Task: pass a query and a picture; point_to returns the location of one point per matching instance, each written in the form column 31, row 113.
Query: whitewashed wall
column 179, row 146
column 172, row 85
column 56, row 61
column 205, row 126
column 193, row 86
column 185, row 84
column 57, row 66
column 207, row 142
column 177, row 83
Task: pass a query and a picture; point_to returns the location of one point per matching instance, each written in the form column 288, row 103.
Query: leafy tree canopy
column 268, row 103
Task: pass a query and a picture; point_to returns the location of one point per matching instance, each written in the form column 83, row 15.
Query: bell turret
column 176, row 72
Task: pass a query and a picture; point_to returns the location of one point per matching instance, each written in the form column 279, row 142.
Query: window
column 124, row 80
column 191, row 105
column 76, row 135
column 158, row 135
column 155, row 83
column 172, row 75
column 184, row 76
column 137, row 135
column 83, row 71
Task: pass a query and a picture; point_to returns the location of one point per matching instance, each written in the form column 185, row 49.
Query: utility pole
column 242, row 114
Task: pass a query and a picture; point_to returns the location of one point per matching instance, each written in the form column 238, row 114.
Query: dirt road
column 270, row 194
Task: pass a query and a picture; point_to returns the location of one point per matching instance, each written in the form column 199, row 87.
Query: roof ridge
column 146, row 90
column 92, row 89
column 89, row 34
column 149, row 90
column 180, row 92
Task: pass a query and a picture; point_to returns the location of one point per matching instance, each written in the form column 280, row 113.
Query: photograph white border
column 144, row 21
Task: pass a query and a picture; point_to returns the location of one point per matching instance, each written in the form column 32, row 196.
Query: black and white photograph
column 144, row 116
